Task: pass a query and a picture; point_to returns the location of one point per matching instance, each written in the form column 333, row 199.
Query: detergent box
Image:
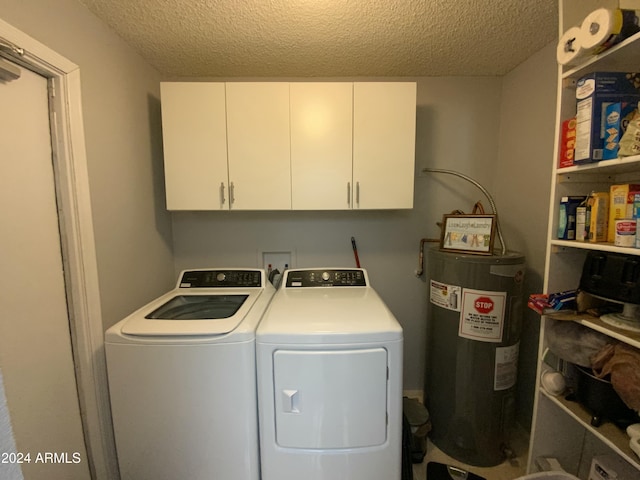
column 594, row 93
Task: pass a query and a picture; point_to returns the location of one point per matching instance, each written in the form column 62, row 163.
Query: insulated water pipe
column 483, row 190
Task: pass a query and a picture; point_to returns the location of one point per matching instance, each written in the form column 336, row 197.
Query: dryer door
column 328, row 399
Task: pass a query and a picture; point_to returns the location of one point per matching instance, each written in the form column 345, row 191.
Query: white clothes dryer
column 182, row 379
column 329, row 357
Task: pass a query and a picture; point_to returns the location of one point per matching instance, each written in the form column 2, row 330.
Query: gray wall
column 121, row 110
column 522, row 188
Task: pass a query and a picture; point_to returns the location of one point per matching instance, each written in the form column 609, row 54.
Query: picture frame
column 472, row 234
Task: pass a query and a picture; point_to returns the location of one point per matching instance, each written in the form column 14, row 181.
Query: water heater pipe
column 483, row 190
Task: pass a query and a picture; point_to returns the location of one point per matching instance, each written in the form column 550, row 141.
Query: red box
column 567, row 143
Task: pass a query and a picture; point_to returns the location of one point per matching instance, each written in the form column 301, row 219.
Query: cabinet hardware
column 222, row 199
column 349, row 193
column 358, row 193
column 232, row 196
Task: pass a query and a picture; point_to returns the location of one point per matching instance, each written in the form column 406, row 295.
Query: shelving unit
column 562, row 428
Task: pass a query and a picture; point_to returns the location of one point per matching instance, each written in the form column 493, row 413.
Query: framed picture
column 468, row 233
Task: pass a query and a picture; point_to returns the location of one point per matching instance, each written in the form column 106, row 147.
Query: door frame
column 77, row 239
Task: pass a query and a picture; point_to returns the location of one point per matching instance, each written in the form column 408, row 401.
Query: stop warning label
column 483, row 305
column 482, row 315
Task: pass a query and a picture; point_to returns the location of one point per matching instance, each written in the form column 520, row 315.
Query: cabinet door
column 258, row 145
column 321, row 145
column 195, row 145
column 384, row 129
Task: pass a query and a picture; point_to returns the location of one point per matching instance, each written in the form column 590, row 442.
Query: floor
column 508, row 470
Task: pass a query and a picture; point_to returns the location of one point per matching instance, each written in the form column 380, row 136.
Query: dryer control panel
column 343, row 277
column 220, row 278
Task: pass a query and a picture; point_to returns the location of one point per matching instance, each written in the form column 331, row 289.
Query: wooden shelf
column 625, row 336
column 615, row 59
column 600, row 246
column 602, row 168
column 561, row 428
column 610, row 434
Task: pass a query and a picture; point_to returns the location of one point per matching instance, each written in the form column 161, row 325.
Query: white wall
column 522, row 188
column 121, row 108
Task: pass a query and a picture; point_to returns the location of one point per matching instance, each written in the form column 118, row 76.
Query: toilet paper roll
column 605, row 27
column 570, row 49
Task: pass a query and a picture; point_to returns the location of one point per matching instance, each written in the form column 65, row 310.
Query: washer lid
column 328, row 315
column 184, row 312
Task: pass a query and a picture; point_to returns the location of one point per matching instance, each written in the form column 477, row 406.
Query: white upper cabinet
column 194, row 131
column 258, row 146
column 283, row 146
column 321, row 145
column 384, row 129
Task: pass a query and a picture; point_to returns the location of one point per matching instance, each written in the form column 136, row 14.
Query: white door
column 384, row 132
column 330, row 399
column 321, row 145
column 258, row 145
column 35, row 341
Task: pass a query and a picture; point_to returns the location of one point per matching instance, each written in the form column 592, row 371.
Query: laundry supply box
column 595, row 92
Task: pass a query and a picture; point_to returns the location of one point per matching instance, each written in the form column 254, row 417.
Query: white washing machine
column 329, row 357
column 182, row 379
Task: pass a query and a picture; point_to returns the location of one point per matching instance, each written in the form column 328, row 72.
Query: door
column 35, row 344
column 330, row 399
column 258, row 145
column 194, row 134
column 321, row 145
column 384, row 131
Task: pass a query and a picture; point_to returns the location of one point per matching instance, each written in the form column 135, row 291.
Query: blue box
column 567, row 217
column 594, row 93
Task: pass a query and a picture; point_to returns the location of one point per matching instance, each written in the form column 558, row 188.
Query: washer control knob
column 221, row 277
column 325, row 276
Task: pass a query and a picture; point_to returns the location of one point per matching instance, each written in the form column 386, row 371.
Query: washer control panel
column 220, row 278
column 343, row 277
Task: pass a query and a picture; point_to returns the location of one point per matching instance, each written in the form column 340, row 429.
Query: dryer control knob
column 325, row 276
column 221, row 277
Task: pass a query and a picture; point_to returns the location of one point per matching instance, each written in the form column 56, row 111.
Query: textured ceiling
column 331, row 38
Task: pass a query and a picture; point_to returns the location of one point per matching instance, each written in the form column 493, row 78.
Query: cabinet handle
column 232, row 197
column 348, row 193
column 358, row 193
column 222, row 199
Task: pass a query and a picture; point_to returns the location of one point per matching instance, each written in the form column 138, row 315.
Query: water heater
column 474, row 320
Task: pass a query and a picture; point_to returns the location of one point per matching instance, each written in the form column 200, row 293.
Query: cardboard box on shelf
column 567, row 216
column 594, row 93
column 567, row 143
column 621, row 201
column 616, row 118
column 598, row 204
